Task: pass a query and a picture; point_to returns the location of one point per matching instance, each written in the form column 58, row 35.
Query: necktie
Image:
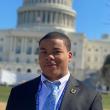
column 49, row 104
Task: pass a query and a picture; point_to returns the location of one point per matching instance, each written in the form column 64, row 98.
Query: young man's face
column 54, row 58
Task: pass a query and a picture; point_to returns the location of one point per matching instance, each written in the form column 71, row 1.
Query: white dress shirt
column 45, row 91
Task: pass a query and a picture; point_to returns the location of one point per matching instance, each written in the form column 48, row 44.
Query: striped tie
column 49, row 104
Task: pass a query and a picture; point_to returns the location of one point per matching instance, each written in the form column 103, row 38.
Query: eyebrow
column 42, row 48
column 57, row 49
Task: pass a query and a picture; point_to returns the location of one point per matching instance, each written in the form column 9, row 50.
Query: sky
column 92, row 16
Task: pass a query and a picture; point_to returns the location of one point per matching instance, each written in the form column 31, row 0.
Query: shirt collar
column 62, row 80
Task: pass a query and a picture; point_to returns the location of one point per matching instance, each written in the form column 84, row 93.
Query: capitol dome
column 47, row 15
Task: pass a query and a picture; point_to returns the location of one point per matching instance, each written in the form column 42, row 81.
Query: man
column 54, row 57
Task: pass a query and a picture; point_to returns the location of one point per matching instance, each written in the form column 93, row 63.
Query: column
column 51, row 17
column 63, row 2
column 33, row 45
column 62, row 20
column 22, row 45
column 38, row 1
column 69, row 21
column 72, row 21
column 66, row 20
column 59, row 19
column 27, row 15
column 56, row 1
column 31, row 17
column 46, row 16
column 20, row 18
column 24, row 17
column 56, row 18
column 14, row 46
column 59, row 1
column 36, row 15
column 26, row 2
column 11, row 44
column 41, row 17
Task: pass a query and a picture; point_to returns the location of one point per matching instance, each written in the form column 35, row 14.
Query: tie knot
column 52, row 85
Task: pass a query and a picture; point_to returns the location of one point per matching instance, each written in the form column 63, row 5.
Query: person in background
column 55, row 88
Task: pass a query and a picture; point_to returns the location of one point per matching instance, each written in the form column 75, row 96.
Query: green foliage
column 4, row 93
column 106, row 101
column 106, row 71
column 107, row 60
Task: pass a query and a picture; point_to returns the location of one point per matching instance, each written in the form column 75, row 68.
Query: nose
column 50, row 57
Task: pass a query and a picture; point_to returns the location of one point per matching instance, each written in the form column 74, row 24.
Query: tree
column 105, row 72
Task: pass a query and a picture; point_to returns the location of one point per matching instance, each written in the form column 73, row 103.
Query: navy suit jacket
column 76, row 97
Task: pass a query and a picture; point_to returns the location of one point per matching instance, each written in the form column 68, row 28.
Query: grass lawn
column 4, row 93
column 5, row 90
column 106, row 101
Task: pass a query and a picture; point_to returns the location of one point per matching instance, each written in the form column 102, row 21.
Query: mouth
column 51, row 65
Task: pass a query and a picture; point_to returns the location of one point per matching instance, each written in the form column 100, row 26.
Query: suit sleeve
column 10, row 103
column 97, row 103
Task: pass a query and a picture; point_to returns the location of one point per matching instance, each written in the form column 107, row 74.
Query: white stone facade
column 19, row 46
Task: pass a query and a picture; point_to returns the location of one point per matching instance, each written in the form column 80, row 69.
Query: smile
column 51, row 65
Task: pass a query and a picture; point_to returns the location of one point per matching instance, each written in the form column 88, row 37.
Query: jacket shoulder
column 31, row 84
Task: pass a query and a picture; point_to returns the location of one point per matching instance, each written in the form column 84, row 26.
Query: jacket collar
column 73, row 88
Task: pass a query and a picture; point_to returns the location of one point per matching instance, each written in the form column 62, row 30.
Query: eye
column 43, row 52
column 56, row 52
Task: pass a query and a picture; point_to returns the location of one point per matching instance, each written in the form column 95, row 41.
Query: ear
column 69, row 55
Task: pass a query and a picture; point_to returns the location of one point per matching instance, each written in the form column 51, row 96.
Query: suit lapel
column 35, row 85
column 70, row 94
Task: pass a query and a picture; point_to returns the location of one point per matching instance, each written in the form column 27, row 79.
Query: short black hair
column 59, row 35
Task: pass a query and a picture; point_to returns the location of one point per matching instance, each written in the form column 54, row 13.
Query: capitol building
column 35, row 18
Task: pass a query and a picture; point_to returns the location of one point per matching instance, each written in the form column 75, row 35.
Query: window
column 30, row 41
column 28, row 70
column 49, row 1
column 29, row 50
column 0, row 58
column 54, row 1
column 36, row 51
column 28, row 61
column 1, row 39
column 18, row 70
column 96, row 59
column 36, row 60
column 18, row 50
column 1, row 49
column 18, row 46
column 17, row 60
column 89, row 59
